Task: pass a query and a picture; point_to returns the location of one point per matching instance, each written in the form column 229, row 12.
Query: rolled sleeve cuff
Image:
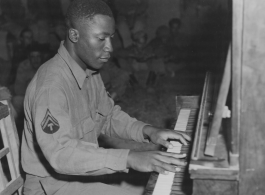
column 137, row 135
column 117, row 160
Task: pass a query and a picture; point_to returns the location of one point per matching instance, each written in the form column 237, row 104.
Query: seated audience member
column 67, row 108
column 40, row 28
column 174, row 26
column 7, row 41
column 25, row 41
column 159, row 49
column 167, row 53
column 27, row 69
column 136, row 56
column 21, row 50
column 25, row 72
column 131, row 18
column 178, row 44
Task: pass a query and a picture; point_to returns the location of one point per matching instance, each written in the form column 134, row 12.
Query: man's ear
column 73, row 35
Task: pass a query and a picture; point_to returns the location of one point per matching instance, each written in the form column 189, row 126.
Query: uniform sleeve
column 119, row 124
column 59, row 141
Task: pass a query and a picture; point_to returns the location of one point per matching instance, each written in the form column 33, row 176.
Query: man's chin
column 96, row 67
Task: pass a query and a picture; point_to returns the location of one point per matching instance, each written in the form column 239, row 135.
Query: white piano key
column 182, row 120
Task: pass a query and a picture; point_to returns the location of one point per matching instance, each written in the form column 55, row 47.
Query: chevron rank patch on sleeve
column 49, row 124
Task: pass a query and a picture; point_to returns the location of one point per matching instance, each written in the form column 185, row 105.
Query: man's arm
column 116, row 143
column 158, row 161
column 60, row 141
column 121, row 125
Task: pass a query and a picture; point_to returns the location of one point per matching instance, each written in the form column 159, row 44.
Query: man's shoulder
column 54, row 63
column 51, row 72
column 54, row 66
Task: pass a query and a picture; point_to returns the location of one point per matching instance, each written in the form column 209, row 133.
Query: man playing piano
column 67, row 107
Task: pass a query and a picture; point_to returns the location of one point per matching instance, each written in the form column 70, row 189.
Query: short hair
column 79, row 10
column 174, row 21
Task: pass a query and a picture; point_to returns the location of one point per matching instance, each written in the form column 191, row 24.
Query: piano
column 194, row 118
column 226, row 121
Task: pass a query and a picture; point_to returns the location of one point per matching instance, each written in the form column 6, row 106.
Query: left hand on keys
column 160, row 136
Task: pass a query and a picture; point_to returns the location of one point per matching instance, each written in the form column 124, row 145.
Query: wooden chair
column 10, row 178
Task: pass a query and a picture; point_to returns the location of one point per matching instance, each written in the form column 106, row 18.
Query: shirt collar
column 78, row 73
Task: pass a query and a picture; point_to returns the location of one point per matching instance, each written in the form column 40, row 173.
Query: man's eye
column 101, row 39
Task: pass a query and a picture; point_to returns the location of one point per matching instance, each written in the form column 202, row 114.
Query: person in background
column 41, row 27
column 25, row 42
column 158, row 47
column 25, row 72
column 21, row 50
column 67, row 108
column 136, row 57
column 27, row 69
column 174, row 26
column 7, row 41
column 177, row 47
column 131, row 17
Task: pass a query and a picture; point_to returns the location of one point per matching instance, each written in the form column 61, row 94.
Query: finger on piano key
column 172, row 185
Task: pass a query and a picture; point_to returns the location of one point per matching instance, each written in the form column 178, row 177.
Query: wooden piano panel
column 251, row 102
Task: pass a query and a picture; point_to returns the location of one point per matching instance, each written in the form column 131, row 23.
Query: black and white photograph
column 132, row 97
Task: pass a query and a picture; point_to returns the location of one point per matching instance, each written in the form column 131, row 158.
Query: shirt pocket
column 85, row 127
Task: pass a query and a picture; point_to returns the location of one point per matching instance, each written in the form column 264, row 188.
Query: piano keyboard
column 166, row 183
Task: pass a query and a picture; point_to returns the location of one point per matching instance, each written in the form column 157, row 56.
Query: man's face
column 94, row 45
column 35, row 59
column 27, row 38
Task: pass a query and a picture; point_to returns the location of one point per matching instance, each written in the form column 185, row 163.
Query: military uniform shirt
column 66, row 108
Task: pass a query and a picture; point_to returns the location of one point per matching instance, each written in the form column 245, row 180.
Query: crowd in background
column 31, row 32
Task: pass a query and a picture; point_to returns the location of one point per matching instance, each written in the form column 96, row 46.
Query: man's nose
column 108, row 45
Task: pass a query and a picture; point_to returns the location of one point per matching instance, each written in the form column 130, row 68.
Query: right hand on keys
column 161, row 162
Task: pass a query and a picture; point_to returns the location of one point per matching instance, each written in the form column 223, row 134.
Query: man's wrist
column 147, row 131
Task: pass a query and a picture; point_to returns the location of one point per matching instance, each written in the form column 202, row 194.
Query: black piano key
column 178, row 179
column 180, row 192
